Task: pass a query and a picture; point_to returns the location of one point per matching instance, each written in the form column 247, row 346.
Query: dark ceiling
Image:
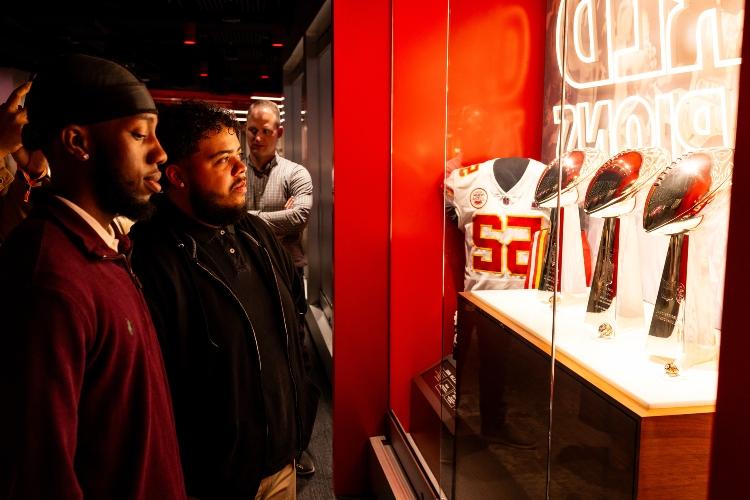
column 233, row 50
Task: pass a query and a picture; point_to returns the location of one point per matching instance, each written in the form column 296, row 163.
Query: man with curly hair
column 226, row 302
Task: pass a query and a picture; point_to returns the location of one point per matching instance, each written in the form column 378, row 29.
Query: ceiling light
column 264, row 77
column 188, row 33
column 277, row 44
column 266, row 98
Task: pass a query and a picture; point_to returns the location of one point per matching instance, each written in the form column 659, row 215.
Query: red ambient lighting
column 203, row 75
column 264, row 77
column 277, row 44
column 189, row 33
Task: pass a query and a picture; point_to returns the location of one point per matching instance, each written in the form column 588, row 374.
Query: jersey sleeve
column 457, row 188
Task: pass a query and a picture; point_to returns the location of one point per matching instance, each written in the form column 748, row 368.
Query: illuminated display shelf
column 620, row 423
column 619, row 366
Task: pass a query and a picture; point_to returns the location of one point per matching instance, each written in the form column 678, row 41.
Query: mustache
column 239, row 181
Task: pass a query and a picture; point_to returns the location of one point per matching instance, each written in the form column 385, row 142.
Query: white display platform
column 621, row 361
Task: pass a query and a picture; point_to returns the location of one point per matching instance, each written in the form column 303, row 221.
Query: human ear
column 175, row 175
column 77, row 141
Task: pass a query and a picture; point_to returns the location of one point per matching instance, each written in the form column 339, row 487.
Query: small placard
column 441, row 379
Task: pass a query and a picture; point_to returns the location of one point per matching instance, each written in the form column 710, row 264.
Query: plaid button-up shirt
column 268, row 192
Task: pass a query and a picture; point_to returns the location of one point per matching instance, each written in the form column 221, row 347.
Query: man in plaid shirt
column 280, row 191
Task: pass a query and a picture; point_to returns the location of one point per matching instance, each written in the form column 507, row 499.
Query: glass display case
column 584, row 149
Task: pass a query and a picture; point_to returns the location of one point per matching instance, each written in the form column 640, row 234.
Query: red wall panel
column 361, row 128
column 495, row 80
column 730, row 460
column 418, row 160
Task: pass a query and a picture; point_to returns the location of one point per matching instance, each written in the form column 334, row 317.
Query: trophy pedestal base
column 698, row 354
column 562, row 298
column 672, row 354
column 666, row 350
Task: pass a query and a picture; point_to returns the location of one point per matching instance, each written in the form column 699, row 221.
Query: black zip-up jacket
column 221, row 422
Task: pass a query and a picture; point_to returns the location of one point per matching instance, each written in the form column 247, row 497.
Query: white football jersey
column 499, row 225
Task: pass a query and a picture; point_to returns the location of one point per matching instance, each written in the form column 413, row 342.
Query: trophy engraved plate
column 671, row 296
column 604, row 282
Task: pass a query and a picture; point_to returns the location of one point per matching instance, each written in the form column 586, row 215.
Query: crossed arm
column 296, row 212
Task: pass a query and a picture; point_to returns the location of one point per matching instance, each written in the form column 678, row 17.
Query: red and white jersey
column 499, row 225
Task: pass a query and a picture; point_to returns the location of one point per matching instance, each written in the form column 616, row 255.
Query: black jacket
column 219, row 415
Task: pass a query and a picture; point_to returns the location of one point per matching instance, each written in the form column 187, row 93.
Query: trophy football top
column 621, row 177
column 684, row 188
column 577, row 167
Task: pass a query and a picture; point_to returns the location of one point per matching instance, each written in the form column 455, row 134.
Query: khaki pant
column 279, row 486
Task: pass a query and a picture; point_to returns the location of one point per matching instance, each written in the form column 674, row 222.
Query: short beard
column 115, row 195
column 206, row 208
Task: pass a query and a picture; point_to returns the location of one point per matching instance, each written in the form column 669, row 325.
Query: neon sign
column 648, row 73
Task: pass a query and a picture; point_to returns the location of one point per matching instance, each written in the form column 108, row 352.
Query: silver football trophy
column 615, row 299
column 568, row 178
column 673, row 207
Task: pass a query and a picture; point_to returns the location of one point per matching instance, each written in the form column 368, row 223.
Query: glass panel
column 652, row 87
column 495, row 233
column 416, row 257
column 586, row 155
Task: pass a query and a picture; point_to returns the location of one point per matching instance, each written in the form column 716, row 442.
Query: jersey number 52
column 504, row 239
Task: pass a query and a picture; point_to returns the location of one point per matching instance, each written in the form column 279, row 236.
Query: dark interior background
column 235, row 50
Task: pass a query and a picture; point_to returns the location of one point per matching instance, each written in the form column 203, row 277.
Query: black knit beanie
column 80, row 89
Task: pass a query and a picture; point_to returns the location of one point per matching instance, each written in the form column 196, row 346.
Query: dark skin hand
column 12, row 119
column 33, row 163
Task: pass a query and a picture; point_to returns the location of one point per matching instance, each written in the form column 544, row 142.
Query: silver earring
column 182, row 184
column 85, row 156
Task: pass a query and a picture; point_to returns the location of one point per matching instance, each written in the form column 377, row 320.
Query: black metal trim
column 414, row 468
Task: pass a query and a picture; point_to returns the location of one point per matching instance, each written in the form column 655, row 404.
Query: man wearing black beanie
column 86, row 408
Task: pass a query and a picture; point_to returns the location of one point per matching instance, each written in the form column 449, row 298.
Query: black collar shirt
column 233, row 263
